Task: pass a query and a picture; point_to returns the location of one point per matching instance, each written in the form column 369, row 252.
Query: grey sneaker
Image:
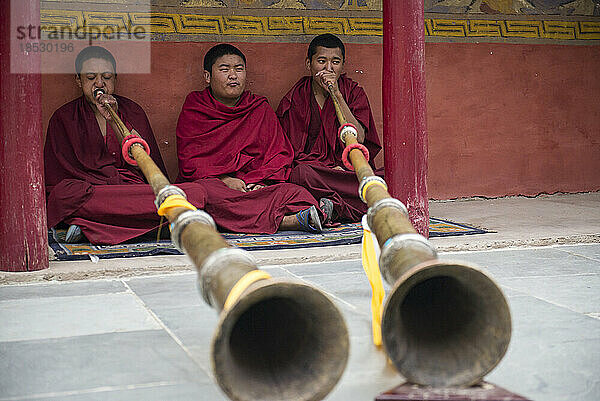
column 309, row 220
column 326, row 206
column 74, row 234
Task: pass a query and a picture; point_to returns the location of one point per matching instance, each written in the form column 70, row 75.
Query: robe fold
column 245, row 142
column 313, row 133
column 88, row 182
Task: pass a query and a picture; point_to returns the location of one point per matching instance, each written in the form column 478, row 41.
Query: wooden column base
column 480, row 392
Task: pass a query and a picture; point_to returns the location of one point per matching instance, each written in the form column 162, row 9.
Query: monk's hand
column 234, row 183
column 101, row 102
column 326, row 79
column 254, row 187
column 338, row 168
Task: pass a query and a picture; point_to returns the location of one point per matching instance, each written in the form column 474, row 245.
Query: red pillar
column 404, row 134
column 23, row 232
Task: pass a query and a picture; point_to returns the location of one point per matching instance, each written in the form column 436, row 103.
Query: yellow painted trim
column 244, row 25
column 62, row 18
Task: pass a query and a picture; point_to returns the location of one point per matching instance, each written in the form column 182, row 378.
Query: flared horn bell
column 282, row 340
column 445, row 324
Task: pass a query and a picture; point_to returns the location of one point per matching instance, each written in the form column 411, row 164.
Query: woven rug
column 343, row 235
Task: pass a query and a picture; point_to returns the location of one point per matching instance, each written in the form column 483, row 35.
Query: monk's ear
column 307, row 63
column 78, row 80
column 207, row 77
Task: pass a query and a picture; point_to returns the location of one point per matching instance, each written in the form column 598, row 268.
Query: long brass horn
column 445, row 323
column 276, row 339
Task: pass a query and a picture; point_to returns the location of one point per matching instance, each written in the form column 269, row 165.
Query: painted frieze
column 545, row 21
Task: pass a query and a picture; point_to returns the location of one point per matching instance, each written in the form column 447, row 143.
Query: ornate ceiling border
column 165, row 26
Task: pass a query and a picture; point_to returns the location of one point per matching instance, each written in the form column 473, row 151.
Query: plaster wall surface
column 503, row 119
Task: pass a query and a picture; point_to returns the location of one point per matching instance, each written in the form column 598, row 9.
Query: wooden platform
column 481, row 392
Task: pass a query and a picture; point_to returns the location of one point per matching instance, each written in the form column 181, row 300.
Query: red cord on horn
column 128, row 141
column 347, row 150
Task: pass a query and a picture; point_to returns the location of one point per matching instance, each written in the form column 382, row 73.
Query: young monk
column 88, row 183
column 230, row 140
column 307, row 115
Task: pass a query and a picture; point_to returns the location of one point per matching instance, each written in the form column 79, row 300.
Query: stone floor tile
column 202, row 355
column 359, row 325
column 181, row 290
column 67, row 289
column 193, row 325
column 351, row 305
column 546, row 370
column 527, row 262
column 166, row 392
column 310, row 269
column 534, row 319
column 366, row 357
column 82, row 363
column 554, row 353
column 353, row 284
column 594, row 315
column 278, row 271
column 166, row 291
column 365, row 385
column 510, row 292
column 42, row 318
column 578, row 293
column 591, row 251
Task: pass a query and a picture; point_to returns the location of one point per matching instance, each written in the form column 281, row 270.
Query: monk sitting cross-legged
column 230, row 140
column 307, row 115
column 89, row 185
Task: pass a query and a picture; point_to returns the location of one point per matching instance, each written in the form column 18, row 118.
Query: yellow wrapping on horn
column 370, row 263
column 369, row 184
column 241, row 285
column 174, row 201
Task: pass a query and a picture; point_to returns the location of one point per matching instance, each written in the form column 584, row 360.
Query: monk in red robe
column 89, row 185
column 307, row 115
column 230, row 140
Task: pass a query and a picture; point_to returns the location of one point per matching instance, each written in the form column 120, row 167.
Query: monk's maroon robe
column 313, row 133
column 246, row 142
column 88, row 182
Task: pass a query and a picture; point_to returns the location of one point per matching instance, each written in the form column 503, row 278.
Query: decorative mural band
column 474, row 7
column 279, row 26
column 558, row 30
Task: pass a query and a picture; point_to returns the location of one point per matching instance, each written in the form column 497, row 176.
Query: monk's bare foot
column 289, row 223
column 305, row 220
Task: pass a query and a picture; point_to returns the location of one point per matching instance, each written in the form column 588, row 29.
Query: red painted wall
column 503, row 119
column 508, row 119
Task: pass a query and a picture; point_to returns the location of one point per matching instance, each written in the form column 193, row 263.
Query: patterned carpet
column 343, row 235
